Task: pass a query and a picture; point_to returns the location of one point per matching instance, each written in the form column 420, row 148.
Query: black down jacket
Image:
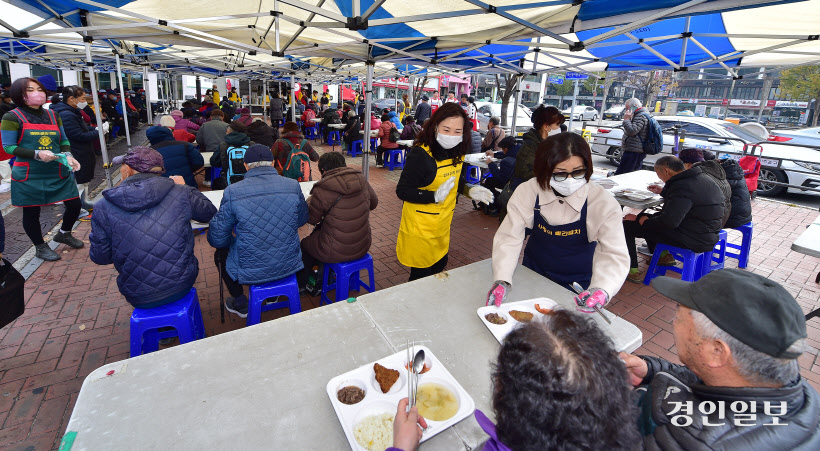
column 669, row 386
column 741, row 201
column 713, row 169
column 81, row 138
column 143, row 227
column 693, row 209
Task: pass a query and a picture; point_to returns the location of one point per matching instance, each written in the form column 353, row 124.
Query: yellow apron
column 424, row 233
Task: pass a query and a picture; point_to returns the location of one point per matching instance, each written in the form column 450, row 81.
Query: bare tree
column 418, row 88
column 506, row 93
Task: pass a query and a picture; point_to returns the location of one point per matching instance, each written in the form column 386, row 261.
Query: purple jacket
column 493, row 444
column 185, row 124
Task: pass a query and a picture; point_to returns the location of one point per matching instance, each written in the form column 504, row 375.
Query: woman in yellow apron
column 432, row 169
column 42, row 170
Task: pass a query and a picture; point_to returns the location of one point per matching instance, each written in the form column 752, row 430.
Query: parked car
column 686, row 113
column 384, row 104
column 615, row 113
column 582, row 113
column 486, row 110
column 804, row 137
column 722, row 136
column 741, row 118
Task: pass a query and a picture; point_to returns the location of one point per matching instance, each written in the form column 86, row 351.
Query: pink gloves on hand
column 498, row 293
column 587, row 300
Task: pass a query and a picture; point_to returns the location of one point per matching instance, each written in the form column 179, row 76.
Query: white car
column 486, row 110
column 804, row 137
column 722, row 136
column 581, row 113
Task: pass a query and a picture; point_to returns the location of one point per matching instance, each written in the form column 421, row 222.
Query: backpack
column 236, row 164
column 332, row 116
column 653, row 144
column 298, row 166
column 309, row 117
column 394, row 135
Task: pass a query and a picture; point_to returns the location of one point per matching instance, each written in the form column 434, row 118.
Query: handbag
column 321, row 221
column 12, row 294
column 503, row 199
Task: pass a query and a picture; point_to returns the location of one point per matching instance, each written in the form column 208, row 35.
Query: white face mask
column 82, row 105
column 554, row 132
column 568, row 186
column 448, row 141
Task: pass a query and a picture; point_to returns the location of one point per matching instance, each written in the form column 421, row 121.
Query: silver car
column 805, row 137
column 486, row 110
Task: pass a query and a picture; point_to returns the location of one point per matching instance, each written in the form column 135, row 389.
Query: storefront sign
column 531, row 86
column 745, row 102
column 791, row 104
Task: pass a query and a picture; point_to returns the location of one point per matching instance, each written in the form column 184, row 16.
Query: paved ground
column 76, row 320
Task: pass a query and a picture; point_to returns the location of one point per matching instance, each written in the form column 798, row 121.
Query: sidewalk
column 76, row 320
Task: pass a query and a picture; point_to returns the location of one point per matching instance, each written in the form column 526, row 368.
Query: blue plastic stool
column 312, row 132
column 692, row 264
column 473, row 175
column 355, row 148
column 712, row 261
column 115, row 130
column 394, row 159
column 347, row 278
column 183, row 315
column 283, row 287
column 333, row 137
column 745, row 246
column 374, row 142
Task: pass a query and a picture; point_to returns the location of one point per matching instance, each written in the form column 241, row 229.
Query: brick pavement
column 76, row 320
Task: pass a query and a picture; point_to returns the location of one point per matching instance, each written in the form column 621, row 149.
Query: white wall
column 70, row 77
column 19, row 70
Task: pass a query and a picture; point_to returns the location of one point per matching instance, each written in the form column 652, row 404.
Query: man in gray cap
column 256, row 231
column 143, row 227
column 739, row 336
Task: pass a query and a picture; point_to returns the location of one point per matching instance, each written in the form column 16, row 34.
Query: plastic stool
column 115, row 130
column 374, row 142
column 355, row 148
column 333, row 137
column 711, row 261
column 473, row 175
column 183, row 315
column 745, row 246
column 283, row 287
column 313, row 132
column 347, row 278
column 690, row 272
column 394, row 159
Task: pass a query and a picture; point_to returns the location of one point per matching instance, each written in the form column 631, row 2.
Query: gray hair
column 633, row 102
column 257, row 164
column 495, row 120
column 753, row 365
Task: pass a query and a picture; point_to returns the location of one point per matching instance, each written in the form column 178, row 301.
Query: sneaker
column 667, row 260
column 379, row 166
column 42, row 251
column 67, row 239
column 83, row 213
column 206, row 183
column 644, row 250
column 635, row 275
column 238, row 306
column 5, row 187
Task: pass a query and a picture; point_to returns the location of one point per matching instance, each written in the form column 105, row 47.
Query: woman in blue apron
column 42, row 170
column 574, row 227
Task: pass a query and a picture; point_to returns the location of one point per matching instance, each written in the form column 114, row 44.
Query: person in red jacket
column 179, row 134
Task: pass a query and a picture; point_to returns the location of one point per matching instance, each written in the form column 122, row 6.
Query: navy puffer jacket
column 741, row 200
column 180, row 157
column 266, row 211
column 143, row 227
column 81, row 137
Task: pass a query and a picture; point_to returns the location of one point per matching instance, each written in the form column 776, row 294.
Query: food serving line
column 258, row 387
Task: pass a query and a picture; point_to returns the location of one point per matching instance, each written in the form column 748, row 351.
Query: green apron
column 34, row 182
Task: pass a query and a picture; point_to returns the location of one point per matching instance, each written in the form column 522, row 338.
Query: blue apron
column 562, row 253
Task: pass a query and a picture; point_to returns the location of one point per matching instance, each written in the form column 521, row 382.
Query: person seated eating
column 501, row 170
column 557, row 384
column 255, row 231
column 352, row 130
column 693, row 158
column 691, row 217
column 739, row 336
column 576, row 233
column 180, row 157
column 339, row 206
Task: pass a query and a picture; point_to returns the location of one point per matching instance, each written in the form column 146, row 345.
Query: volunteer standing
column 36, row 137
column 576, row 232
column 428, row 188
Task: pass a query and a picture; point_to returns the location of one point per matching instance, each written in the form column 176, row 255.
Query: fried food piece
column 521, row 317
column 385, row 377
column 495, row 318
column 544, row 311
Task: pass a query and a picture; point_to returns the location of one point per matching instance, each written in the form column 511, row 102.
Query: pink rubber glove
column 498, row 293
column 587, row 300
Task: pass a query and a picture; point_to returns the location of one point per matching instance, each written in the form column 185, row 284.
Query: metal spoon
column 579, row 289
column 418, row 366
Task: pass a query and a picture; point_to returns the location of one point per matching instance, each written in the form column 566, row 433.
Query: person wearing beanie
column 180, row 157
column 245, row 116
column 180, row 135
column 145, row 224
column 693, row 160
column 266, row 211
column 182, row 121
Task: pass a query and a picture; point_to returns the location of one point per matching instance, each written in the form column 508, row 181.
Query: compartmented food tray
column 376, row 402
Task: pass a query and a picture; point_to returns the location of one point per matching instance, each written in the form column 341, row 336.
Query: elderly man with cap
column 739, row 336
column 143, row 227
column 255, row 232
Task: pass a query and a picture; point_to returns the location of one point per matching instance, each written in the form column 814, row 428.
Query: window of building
column 5, row 74
column 39, row 71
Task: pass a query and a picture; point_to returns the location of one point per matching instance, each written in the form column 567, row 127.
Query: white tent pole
column 397, row 93
column 411, row 97
column 572, row 107
column 366, row 119
column 276, row 23
column 264, row 100
column 122, row 99
column 147, row 95
column 292, row 98
column 98, row 113
column 515, row 105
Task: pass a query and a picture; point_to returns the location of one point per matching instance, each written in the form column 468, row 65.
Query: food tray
column 634, row 194
column 375, row 402
column 500, row 331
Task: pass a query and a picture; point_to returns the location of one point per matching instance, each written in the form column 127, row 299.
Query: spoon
column 418, row 366
column 579, row 289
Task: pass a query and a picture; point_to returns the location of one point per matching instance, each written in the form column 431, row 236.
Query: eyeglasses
column 576, row 174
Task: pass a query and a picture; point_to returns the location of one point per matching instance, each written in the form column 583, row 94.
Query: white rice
column 375, row 433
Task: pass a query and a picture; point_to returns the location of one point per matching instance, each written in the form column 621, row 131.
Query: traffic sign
column 575, row 76
column 556, row 80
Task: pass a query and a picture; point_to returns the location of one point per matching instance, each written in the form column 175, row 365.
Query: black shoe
column 67, row 239
column 237, row 306
column 42, row 251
